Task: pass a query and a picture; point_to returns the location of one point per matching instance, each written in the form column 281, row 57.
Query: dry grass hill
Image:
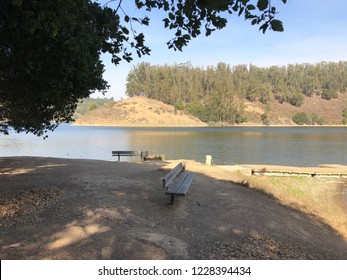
column 282, row 114
column 138, row 111
column 142, row 111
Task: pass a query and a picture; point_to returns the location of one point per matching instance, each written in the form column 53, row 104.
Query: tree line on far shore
column 218, row 93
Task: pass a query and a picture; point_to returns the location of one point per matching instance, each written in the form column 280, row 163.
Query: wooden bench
column 142, row 154
column 177, row 182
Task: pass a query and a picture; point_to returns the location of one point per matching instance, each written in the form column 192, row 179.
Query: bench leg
column 172, row 199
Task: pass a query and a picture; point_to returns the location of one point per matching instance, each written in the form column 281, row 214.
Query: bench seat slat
column 181, row 185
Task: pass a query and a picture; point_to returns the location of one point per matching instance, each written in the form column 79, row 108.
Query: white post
column 208, row 159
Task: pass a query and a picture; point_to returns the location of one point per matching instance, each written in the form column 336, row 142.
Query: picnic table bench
column 177, row 182
column 142, row 154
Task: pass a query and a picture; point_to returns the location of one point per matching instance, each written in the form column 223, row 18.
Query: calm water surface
column 298, row 146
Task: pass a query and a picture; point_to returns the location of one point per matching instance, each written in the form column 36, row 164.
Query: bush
column 315, row 119
column 241, row 117
column 179, row 104
column 93, row 107
column 296, row 99
column 309, row 119
column 329, row 94
column 265, row 119
column 300, row 118
column 344, row 116
column 198, row 110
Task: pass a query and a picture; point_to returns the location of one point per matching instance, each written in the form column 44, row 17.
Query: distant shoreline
column 148, row 126
column 216, row 126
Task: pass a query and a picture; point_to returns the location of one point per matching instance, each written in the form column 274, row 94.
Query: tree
column 50, row 50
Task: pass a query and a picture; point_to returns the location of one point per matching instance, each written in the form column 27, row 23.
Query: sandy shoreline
column 55, row 208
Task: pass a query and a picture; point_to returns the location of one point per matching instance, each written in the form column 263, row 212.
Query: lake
column 297, row 146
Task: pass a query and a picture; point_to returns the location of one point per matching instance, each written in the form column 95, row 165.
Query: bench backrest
column 130, row 153
column 172, row 175
column 125, row 153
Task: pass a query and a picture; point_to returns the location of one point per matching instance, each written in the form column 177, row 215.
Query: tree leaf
column 241, row 10
column 166, row 22
column 264, row 27
column 277, row 25
column 262, row 4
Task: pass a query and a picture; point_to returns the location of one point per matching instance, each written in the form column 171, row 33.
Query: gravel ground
column 84, row 209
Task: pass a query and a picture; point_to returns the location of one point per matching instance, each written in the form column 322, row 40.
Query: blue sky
column 315, row 31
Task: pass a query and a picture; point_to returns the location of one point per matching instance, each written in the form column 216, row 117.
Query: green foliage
column 50, row 58
column 92, row 107
column 217, row 94
column 265, row 119
column 241, row 117
column 300, row 118
column 315, row 119
column 179, row 105
column 197, row 109
column 190, row 18
column 344, row 116
column 307, row 118
column 296, row 99
column 50, row 50
column 88, row 104
column 329, row 94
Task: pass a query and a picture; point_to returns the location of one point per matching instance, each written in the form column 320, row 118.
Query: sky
column 314, row 31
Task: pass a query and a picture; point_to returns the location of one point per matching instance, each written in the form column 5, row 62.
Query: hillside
column 138, row 111
column 246, row 94
column 282, row 114
column 142, row 111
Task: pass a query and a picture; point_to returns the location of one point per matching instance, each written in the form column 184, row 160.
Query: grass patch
column 322, row 198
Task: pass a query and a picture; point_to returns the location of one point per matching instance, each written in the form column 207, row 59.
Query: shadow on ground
column 88, row 209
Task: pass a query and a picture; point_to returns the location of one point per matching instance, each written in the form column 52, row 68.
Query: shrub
column 309, row 118
column 241, row 117
column 329, row 94
column 344, row 116
column 265, row 119
column 179, row 104
column 92, row 107
column 315, row 119
column 300, row 118
column 296, row 99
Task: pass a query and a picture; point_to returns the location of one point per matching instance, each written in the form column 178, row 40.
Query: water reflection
column 297, row 146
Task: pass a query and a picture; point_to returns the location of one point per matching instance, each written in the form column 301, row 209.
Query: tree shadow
column 110, row 210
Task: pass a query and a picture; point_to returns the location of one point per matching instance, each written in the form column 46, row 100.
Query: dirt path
column 85, row 209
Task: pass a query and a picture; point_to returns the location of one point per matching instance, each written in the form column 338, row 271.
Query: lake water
column 297, row 146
